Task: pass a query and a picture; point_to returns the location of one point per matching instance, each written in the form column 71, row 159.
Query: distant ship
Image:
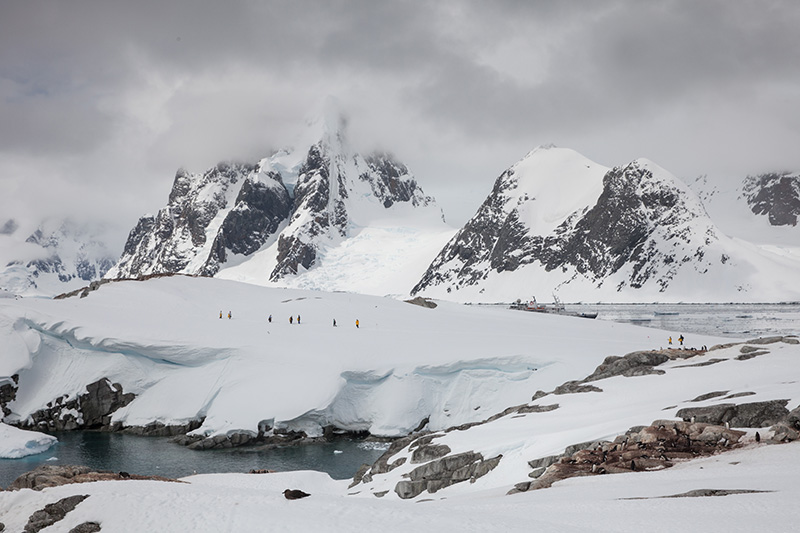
column 557, row 308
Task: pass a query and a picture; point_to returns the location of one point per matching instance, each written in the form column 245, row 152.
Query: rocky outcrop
column 45, row 476
column 232, row 207
column 653, row 447
column 441, row 473
column 746, row 415
column 91, row 410
column 774, row 195
column 8, row 393
column 52, row 513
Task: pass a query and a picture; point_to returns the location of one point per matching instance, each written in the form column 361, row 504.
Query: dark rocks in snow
column 258, row 211
column 8, row 393
column 774, row 195
column 652, row 447
column 90, row 410
column 746, row 415
column 441, row 473
column 52, row 513
column 709, row 395
column 429, row 452
column 422, row 302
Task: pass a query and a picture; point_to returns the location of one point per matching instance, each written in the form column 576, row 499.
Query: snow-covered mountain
column 293, row 219
column 761, row 209
column 557, row 222
column 56, row 256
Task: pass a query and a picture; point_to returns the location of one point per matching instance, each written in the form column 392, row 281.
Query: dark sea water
column 157, row 456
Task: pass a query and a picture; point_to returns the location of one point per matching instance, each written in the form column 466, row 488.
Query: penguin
column 633, row 465
column 758, row 437
column 295, row 494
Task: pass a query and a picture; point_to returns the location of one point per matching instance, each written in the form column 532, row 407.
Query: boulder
column 444, row 472
column 747, row 415
column 52, row 513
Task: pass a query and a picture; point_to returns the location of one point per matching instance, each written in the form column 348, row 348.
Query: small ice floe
column 338, row 451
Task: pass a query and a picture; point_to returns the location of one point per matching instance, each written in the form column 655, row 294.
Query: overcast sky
column 102, row 101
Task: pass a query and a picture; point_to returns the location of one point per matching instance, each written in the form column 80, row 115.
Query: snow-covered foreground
column 16, row 443
column 163, row 340
column 250, row 503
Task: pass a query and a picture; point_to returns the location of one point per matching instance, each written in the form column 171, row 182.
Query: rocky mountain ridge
column 645, row 230
column 299, row 208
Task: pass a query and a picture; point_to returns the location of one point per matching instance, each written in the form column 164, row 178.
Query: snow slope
column 162, row 340
column 16, row 443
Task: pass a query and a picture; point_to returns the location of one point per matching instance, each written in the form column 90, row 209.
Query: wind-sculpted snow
column 163, row 341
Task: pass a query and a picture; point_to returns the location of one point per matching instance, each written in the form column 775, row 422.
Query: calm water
column 723, row 320
column 157, row 456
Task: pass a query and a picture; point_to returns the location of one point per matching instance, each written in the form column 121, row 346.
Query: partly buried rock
column 52, row 513
column 444, row 472
column 746, row 415
column 652, row 447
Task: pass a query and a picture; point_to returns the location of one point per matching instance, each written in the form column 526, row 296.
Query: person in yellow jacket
column 356, row 322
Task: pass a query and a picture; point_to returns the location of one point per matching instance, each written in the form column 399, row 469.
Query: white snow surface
column 163, row 340
column 16, row 443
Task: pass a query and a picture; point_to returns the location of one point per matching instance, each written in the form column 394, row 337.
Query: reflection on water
column 157, row 456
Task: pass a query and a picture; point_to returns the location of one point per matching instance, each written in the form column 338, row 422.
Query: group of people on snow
column 291, row 319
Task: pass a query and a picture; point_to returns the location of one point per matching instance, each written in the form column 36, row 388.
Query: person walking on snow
column 220, row 314
column 334, row 322
column 270, row 319
column 356, row 322
column 670, row 341
column 229, row 315
column 298, row 319
column 680, row 339
column 291, row 319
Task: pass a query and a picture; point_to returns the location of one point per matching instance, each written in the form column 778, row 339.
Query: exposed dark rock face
column 746, row 415
column 258, row 212
column 8, row 393
column 238, row 208
column 444, row 472
column 777, row 196
column 181, row 237
column 652, row 447
column 94, row 409
column 52, row 513
column 642, row 225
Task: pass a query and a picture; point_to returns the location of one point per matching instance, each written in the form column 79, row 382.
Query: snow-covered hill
column 761, row 209
column 317, row 215
column 56, row 256
column 405, row 367
column 556, row 222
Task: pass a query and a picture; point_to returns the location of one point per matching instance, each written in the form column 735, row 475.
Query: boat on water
column 665, row 313
column 557, row 308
